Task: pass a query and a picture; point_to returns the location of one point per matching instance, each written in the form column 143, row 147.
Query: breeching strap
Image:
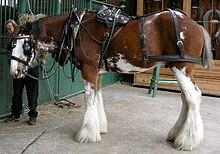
column 169, row 58
column 179, row 41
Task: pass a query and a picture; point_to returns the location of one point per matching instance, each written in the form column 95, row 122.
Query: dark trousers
column 32, row 94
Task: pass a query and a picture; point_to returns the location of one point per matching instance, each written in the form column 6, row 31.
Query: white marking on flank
column 126, row 67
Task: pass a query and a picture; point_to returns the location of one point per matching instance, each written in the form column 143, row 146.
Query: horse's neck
column 54, row 26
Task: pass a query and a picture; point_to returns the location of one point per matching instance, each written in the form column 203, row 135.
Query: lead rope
column 29, row 7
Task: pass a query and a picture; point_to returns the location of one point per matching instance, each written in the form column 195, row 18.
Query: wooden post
column 140, row 7
column 187, row 7
column 162, row 5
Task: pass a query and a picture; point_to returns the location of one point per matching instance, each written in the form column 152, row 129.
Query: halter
column 28, row 49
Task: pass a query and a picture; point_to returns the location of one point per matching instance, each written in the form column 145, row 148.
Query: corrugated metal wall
column 58, row 86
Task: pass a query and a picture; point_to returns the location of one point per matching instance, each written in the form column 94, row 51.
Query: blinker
column 27, row 48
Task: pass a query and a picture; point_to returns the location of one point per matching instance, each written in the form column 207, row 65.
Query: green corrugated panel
column 5, row 85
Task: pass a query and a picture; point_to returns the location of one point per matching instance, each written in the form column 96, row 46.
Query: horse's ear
column 28, row 27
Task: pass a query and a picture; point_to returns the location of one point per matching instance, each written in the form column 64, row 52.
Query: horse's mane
column 38, row 28
column 24, row 18
column 22, row 21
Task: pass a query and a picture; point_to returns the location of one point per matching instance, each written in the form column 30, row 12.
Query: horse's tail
column 207, row 57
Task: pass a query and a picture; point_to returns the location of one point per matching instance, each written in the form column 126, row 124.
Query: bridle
column 28, row 48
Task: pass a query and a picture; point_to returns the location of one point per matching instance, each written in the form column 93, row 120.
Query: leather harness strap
column 179, row 40
column 143, row 37
column 111, row 21
column 173, row 58
column 67, row 41
column 20, row 60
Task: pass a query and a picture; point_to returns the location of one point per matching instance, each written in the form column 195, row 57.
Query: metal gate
column 58, row 86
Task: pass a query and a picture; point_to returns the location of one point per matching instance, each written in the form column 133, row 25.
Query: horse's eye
column 27, row 48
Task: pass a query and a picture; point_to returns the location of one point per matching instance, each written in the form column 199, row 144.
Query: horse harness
column 67, row 50
column 168, row 58
column 111, row 17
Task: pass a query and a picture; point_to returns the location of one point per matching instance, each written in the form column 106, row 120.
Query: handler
column 18, row 86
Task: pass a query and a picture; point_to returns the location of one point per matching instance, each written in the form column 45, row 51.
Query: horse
column 108, row 41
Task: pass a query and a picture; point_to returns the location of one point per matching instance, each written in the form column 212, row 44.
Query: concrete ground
column 137, row 123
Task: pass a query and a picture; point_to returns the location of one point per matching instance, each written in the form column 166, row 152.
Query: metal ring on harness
column 179, row 43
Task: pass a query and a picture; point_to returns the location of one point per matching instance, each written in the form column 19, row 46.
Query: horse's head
column 23, row 55
column 27, row 48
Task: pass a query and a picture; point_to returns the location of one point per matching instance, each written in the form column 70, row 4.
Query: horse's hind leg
column 179, row 123
column 100, row 107
column 187, row 132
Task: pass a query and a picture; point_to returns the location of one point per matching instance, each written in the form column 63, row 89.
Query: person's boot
column 12, row 118
column 32, row 120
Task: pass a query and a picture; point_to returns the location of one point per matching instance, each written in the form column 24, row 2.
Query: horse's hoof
column 184, row 145
column 103, row 130
column 170, row 140
column 171, row 136
column 88, row 139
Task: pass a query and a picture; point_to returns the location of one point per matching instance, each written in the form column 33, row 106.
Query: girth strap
column 107, row 38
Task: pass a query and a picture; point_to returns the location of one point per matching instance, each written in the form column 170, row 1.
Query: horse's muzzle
column 18, row 74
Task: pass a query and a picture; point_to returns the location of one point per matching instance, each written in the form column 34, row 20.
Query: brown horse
column 167, row 37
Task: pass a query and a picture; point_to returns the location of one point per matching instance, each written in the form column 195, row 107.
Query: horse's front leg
column 100, row 106
column 90, row 127
column 94, row 121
